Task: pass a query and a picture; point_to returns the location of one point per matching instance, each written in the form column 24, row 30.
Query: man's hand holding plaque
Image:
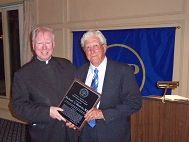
column 78, row 100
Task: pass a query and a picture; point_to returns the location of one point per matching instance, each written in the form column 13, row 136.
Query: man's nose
column 44, row 47
column 92, row 50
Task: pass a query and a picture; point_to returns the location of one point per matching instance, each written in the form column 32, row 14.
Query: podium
column 161, row 122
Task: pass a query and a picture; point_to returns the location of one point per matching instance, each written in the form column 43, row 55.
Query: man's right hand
column 55, row 114
column 70, row 125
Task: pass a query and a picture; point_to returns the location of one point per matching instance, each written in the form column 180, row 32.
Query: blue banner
column 149, row 51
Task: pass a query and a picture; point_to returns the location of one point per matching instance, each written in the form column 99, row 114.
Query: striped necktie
column 94, row 86
column 94, row 83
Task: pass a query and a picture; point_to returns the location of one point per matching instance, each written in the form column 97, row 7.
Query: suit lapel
column 108, row 79
column 107, row 83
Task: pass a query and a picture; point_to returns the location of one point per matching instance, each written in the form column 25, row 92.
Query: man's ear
column 32, row 45
column 54, row 44
column 105, row 47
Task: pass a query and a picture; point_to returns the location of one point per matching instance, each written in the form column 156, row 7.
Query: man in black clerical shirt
column 38, row 88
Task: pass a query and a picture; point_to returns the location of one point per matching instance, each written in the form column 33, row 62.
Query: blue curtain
column 149, row 51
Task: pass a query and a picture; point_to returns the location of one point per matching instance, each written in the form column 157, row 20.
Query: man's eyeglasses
column 93, row 47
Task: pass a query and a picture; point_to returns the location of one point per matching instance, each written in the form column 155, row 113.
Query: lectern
column 161, row 122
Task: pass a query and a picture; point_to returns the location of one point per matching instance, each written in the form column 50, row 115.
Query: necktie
column 94, row 83
column 94, row 86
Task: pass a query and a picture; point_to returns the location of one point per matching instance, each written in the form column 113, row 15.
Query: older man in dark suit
column 38, row 88
column 109, row 121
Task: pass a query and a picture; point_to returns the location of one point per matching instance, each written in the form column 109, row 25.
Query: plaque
column 78, row 100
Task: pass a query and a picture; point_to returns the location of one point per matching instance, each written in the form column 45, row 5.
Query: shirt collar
column 100, row 67
column 46, row 61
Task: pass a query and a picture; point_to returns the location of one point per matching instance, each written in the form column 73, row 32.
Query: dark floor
column 11, row 131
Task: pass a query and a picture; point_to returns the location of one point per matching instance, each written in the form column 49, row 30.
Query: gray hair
column 92, row 33
column 43, row 30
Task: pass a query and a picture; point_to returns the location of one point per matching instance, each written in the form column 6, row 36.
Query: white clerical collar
column 100, row 67
column 46, row 61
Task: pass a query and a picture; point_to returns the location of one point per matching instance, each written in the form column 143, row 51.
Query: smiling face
column 43, row 45
column 94, row 50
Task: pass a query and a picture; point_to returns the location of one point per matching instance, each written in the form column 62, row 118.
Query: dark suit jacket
column 36, row 87
column 120, row 98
